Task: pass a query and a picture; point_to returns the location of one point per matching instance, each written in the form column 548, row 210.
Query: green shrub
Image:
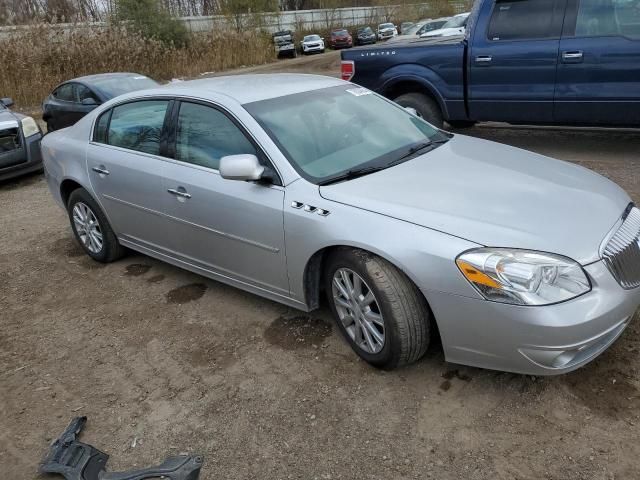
column 151, row 20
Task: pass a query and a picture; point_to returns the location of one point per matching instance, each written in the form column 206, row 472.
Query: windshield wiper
column 359, row 172
column 353, row 173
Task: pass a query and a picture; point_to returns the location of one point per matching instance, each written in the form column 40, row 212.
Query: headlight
column 523, row 277
column 29, row 126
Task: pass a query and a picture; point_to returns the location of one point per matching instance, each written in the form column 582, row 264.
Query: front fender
column 426, row 256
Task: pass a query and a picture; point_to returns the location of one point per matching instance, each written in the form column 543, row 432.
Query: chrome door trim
column 185, row 222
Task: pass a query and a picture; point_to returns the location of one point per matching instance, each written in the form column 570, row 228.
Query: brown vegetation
column 36, row 60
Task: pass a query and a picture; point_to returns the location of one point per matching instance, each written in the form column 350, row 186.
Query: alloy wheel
column 358, row 310
column 87, row 227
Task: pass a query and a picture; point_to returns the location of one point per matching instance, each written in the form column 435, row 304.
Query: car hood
column 494, row 195
column 8, row 119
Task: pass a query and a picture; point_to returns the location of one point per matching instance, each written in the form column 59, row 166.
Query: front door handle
column 101, row 170
column 178, row 193
column 484, row 59
column 573, row 57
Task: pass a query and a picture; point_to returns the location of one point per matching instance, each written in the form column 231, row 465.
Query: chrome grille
column 622, row 253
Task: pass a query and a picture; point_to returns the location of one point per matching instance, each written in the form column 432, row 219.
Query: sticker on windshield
column 358, row 92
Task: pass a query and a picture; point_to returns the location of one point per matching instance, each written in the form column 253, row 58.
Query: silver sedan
column 289, row 186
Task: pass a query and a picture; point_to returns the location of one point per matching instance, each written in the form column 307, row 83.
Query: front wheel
column 91, row 228
column 383, row 316
column 426, row 107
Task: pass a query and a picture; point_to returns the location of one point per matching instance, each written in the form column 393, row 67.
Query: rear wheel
column 460, row 124
column 426, row 107
column 91, row 228
column 380, row 312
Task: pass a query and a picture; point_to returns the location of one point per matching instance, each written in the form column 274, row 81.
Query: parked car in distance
column 19, row 142
column 456, row 25
column 73, row 99
column 287, row 186
column 340, row 38
column 284, row 44
column 365, row 36
column 404, row 26
column 575, row 67
column 311, row 44
column 387, row 31
column 425, row 26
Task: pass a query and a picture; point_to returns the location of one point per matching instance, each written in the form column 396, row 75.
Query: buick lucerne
column 295, row 186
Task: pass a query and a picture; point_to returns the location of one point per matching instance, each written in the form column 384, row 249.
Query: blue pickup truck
column 571, row 62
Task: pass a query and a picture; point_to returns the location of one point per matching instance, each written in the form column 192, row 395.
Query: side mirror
column 412, row 111
column 7, row 102
column 241, row 167
column 89, row 101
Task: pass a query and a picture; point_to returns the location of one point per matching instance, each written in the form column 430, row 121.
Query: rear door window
column 600, row 18
column 137, row 125
column 522, row 19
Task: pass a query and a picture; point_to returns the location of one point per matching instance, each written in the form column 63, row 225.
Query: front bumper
column 25, row 160
column 545, row 340
column 313, row 48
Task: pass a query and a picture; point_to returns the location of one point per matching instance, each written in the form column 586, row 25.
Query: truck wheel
column 380, row 312
column 460, row 124
column 426, row 107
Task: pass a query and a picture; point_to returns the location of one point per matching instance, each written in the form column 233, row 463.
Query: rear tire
column 91, row 228
column 461, row 124
column 427, row 107
column 387, row 307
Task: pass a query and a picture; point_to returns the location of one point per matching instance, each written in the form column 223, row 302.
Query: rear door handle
column 178, row 193
column 100, row 170
column 572, row 57
column 484, row 59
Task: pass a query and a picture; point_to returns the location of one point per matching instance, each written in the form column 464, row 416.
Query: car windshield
column 118, row 85
column 412, row 29
column 456, row 22
column 311, row 38
column 340, row 33
column 328, row 132
column 385, row 25
column 365, row 30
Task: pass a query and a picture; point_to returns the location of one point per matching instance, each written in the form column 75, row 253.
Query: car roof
column 102, row 76
column 251, row 88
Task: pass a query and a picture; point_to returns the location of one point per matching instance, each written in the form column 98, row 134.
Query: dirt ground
column 163, row 361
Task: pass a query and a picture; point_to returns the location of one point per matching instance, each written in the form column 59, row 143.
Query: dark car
column 20, row 138
column 340, row 38
column 73, row 99
column 365, row 36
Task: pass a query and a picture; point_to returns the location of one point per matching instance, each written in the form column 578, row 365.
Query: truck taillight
column 348, row 69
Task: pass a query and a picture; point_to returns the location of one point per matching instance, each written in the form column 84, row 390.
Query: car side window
column 205, row 135
column 612, row 18
column 138, row 125
column 84, row 92
column 101, row 128
column 522, row 19
column 65, row 93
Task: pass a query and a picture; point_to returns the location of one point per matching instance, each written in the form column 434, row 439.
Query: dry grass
column 35, row 61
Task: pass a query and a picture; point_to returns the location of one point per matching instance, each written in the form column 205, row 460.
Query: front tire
column 381, row 313
column 427, row 107
column 91, row 228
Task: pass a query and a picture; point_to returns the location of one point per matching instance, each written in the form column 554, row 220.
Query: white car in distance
column 311, row 44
